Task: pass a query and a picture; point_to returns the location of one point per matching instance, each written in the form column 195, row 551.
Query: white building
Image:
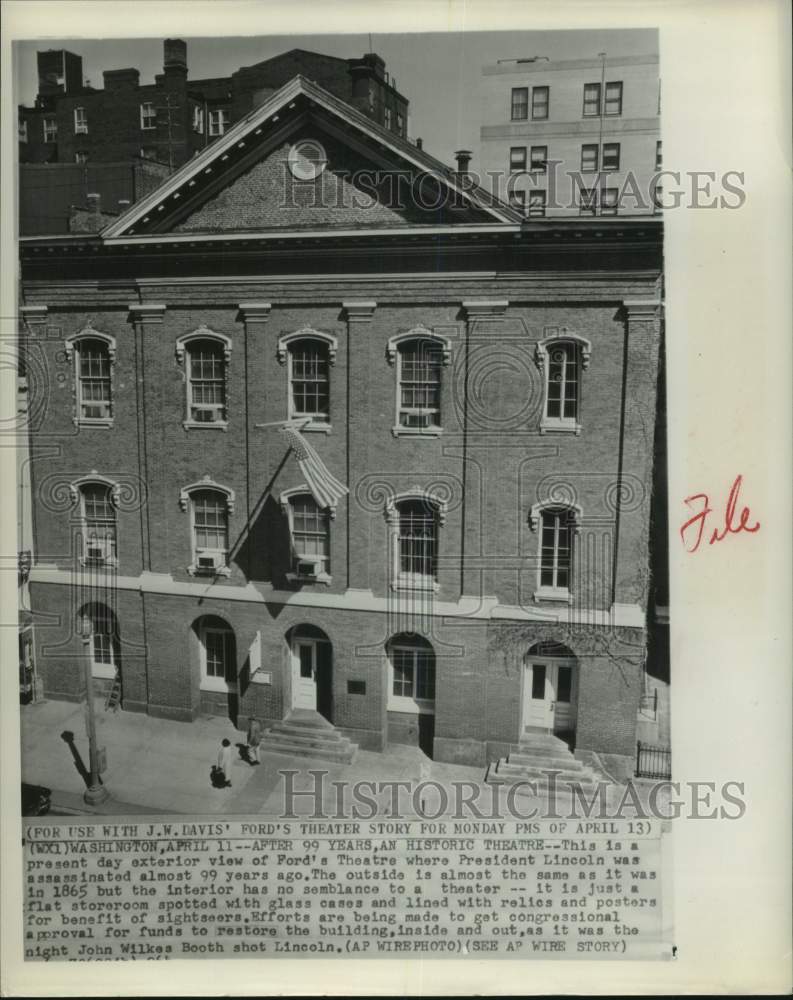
column 572, row 137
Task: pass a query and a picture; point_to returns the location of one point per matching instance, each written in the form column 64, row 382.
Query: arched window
column 206, row 356
column 98, row 517
column 557, row 531
column 99, row 626
column 309, row 380
column 420, row 356
column 209, row 505
column 411, row 662
column 309, row 529
column 217, row 653
column 94, row 354
column 562, row 360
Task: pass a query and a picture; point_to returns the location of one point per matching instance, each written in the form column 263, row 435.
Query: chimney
column 463, row 157
column 174, row 62
column 94, row 203
column 121, row 79
column 419, row 143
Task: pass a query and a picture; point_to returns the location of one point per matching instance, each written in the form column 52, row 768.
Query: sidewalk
column 163, row 766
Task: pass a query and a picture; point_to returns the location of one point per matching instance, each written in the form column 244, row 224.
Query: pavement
column 162, row 766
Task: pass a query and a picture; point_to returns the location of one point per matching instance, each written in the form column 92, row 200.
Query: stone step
column 309, row 719
column 338, row 753
column 562, row 786
column 541, row 739
column 297, row 738
column 541, row 773
column 320, row 737
column 535, row 754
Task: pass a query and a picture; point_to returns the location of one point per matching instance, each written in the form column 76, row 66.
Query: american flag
column 325, row 488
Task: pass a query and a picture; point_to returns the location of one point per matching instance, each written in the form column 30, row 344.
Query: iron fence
column 653, row 762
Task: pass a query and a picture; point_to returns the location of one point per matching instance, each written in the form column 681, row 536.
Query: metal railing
column 653, row 762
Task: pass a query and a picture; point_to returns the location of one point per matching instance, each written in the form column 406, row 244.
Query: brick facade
column 492, row 301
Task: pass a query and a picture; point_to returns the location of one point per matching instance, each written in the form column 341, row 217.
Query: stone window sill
column 553, row 594
column 103, row 422
column 302, row 578
column 413, row 585
column 199, row 425
column 410, row 706
column 428, row 432
column 550, row 426
column 194, row 570
column 316, row 426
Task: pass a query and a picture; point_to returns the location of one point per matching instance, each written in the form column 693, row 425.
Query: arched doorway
column 411, row 686
column 217, row 656
column 311, row 660
column 98, row 625
column 550, row 690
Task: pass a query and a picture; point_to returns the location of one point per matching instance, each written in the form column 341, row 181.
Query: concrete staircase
column 304, row 733
column 534, row 756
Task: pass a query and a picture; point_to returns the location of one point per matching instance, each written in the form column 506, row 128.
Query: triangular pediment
column 305, row 161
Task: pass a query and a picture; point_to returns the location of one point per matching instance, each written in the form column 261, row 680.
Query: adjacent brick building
column 175, row 117
column 482, row 385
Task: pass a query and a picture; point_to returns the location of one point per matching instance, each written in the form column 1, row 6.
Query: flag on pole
column 325, row 488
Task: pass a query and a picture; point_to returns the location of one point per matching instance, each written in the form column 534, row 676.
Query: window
column 198, row 118
column 94, row 383
column 218, row 121
column 658, row 155
column 210, row 531
column 539, row 158
column 591, row 99
column 589, row 158
column 206, row 387
column 387, row 118
column 80, row 122
column 520, row 104
column 517, row 159
column 412, row 667
column 608, row 201
column 81, row 156
column 417, row 542
column 400, row 124
column 309, row 525
column 148, row 116
column 99, row 626
column 23, row 131
column 309, row 378
column 419, row 376
column 217, row 653
column 613, row 99
column 556, row 540
column 537, row 203
column 50, row 130
column 518, row 200
column 98, row 514
column 539, row 102
column 611, row 156
column 561, row 391
column 587, row 201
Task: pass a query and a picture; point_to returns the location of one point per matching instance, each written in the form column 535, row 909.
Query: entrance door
column 304, row 674
column 548, row 695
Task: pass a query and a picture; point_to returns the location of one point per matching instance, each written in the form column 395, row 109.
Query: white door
column 548, row 695
column 304, row 674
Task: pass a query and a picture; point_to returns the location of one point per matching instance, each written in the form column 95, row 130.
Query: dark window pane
column 538, row 681
column 564, row 684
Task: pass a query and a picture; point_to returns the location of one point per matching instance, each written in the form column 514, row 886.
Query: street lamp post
column 96, row 792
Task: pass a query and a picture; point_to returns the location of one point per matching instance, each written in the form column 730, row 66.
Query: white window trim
column 76, row 494
column 50, row 132
column 182, row 348
column 284, row 356
column 410, row 581
column 545, row 593
column 80, row 127
column 285, row 499
column 221, row 121
column 145, row 118
column 401, row 703
column 560, row 335
column 394, row 357
column 208, row 683
column 72, row 346
column 186, row 503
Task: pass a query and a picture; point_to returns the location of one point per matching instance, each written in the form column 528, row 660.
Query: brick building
column 175, row 117
column 448, row 544
column 573, row 136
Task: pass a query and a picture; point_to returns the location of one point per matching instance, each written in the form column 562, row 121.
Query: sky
column 439, row 73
